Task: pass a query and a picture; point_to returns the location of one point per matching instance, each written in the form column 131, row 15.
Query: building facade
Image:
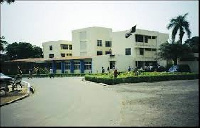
column 94, row 48
column 57, row 49
column 91, row 41
column 142, row 46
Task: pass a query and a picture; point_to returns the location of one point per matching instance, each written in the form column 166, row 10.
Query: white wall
column 89, row 37
column 98, row 62
column 120, row 43
column 122, row 63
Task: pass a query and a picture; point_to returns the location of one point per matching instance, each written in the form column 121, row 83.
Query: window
column 67, row 65
column 62, row 54
column 83, row 45
column 69, row 54
column 70, row 47
column 88, row 66
column 58, row 65
column 153, row 37
column 146, row 39
column 63, row 46
column 128, row 51
column 153, row 49
column 141, row 51
column 51, row 55
column 76, row 65
column 50, row 47
column 107, row 52
column 147, row 49
column 108, row 44
column 99, row 52
column 138, row 38
column 99, row 42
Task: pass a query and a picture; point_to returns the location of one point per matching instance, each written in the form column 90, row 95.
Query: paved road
column 73, row 102
column 63, row 102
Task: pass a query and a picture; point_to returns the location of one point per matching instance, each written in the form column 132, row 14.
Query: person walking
column 108, row 70
column 19, row 70
column 115, row 73
column 103, row 70
column 129, row 68
column 30, row 73
column 51, row 73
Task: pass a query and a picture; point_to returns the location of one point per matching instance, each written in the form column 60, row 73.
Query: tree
column 37, row 52
column 8, row 1
column 179, row 24
column 174, row 51
column 193, row 43
column 23, row 50
column 3, row 43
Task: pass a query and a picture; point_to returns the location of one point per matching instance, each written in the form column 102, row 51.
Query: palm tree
column 179, row 23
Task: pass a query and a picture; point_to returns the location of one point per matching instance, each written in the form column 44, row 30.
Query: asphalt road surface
column 73, row 102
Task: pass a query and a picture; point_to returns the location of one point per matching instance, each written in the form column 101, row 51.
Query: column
column 82, row 66
column 71, row 66
column 62, row 66
column 54, row 66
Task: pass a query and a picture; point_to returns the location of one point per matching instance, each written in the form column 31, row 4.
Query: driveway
column 73, row 102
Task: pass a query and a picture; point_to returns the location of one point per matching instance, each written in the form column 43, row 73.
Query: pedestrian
column 51, row 73
column 108, row 70
column 115, row 73
column 38, row 71
column 19, row 71
column 103, row 70
column 30, row 73
column 129, row 68
column 136, row 71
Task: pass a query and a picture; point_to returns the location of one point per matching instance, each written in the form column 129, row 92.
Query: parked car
column 180, row 68
column 4, row 82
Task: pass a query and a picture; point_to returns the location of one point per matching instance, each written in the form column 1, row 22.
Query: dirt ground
column 167, row 103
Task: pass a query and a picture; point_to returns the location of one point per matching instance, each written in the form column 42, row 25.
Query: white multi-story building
column 91, row 41
column 97, row 47
column 57, row 49
column 142, row 45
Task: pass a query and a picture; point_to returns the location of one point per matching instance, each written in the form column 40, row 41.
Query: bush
column 152, row 77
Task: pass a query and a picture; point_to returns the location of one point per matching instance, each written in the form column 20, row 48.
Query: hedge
column 137, row 79
column 55, row 75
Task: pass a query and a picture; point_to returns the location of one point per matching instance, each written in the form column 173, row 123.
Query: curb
column 22, row 97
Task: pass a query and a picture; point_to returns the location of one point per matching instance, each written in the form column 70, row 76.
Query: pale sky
column 40, row 21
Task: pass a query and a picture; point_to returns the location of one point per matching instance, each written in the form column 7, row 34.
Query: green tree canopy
column 179, row 24
column 174, row 51
column 3, row 43
column 193, row 43
column 23, row 50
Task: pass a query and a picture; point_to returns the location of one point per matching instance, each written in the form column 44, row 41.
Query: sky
column 41, row 21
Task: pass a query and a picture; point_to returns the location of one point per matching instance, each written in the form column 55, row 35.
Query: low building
column 57, row 49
